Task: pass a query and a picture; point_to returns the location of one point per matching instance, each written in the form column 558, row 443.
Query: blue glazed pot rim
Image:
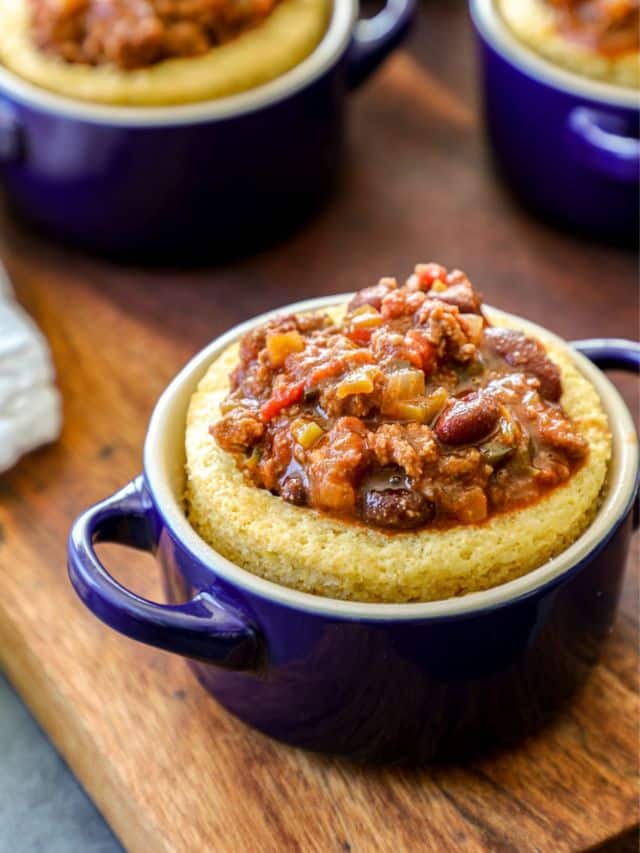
column 164, row 473
column 495, row 32
column 332, row 46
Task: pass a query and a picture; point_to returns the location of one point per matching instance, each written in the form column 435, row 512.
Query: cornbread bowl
column 367, row 680
column 281, row 41
column 169, row 180
column 569, row 145
column 331, row 556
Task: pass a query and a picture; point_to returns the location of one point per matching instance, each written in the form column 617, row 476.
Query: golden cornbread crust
column 280, row 42
column 301, row 548
column 534, row 24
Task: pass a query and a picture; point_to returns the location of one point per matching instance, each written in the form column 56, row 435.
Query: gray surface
column 42, row 807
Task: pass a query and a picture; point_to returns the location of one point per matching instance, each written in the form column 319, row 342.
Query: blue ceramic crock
column 402, row 682
column 568, row 145
column 210, row 176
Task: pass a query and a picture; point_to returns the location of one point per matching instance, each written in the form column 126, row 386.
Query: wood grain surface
column 168, row 768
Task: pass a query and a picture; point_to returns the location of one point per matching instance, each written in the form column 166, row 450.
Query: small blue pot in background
column 401, row 682
column 213, row 176
column 568, row 145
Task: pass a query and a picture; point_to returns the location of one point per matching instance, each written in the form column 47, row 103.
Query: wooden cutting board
column 170, row 770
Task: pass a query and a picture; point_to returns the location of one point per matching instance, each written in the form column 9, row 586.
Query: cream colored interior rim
column 493, row 28
column 329, row 50
column 164, row 468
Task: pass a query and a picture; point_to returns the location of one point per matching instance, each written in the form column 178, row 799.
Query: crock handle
column 11, row 141
column 375, row 38
column 613, row 354
column 203, row 628
column 602, row 141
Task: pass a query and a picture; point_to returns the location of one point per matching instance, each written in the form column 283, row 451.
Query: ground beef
column 446, row 331
column 138, row 33
column 412, row 411
column 409, row 446
column 334, row 466
column 373, row 295
column 240, row 429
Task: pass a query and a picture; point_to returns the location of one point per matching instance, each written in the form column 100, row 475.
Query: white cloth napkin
column 30, row 404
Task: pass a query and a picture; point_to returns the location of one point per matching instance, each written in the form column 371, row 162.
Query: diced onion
column 474, row 324
column 228, row 404
column 407, row 410
column 366, row 317
column 403, row 385
column 356, row 382
column 306, row 433
column 423, row 410
column 254, row 459
column 282, row 344
column 436, row 401
column 473, row 506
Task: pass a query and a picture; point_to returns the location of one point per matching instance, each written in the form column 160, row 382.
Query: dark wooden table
column 420, row 185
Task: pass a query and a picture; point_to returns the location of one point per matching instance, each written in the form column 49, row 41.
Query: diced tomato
column 282, row 398
column 336, row 366
column 428, row 273
column 360, row 357
column 332, row 367
column 360, row 336
column 422, row 351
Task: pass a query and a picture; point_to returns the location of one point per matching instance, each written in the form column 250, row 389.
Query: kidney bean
column 468, row 419
column 397, row 509
column 529, row 355
column 373, row 295
column 293, row 490
column 461, row 295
